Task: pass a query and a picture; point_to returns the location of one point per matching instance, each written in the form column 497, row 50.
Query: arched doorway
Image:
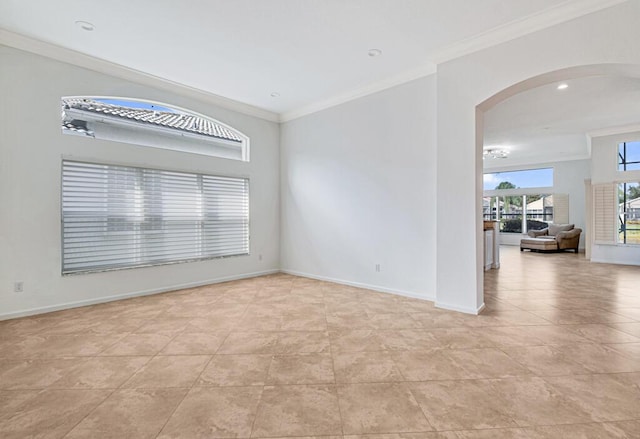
column 592, row 74
column 466, row 86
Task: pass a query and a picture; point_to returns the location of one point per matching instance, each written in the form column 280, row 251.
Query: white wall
column 358, row 189
column 31, row 148
column 607, row 36
column 362, row 183
column 568, row 178
column 604, row 153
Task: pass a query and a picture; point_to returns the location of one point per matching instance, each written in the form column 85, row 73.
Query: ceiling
column 545, row 124
column 312, row 53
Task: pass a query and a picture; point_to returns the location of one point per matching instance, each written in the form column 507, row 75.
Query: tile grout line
column 333, row 365
column 123, row 382
column 89, row 413
column 192, row 384
column 173, row 411
column 255, row 418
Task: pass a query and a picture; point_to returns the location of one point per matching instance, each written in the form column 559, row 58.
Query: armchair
column 569, row 239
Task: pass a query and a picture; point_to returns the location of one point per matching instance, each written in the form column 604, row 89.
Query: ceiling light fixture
column 374, row 52
column 495, row 153
column 85, row 25
column 275, row 94
column 563, row 86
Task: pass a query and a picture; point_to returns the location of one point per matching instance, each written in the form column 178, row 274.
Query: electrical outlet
column 18, row 287
column 377, row 268
column 259, row 257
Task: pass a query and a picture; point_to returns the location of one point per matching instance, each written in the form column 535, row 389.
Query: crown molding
column 566, row 11
column 549, row 17
column 612, row 131
column 359, row 92
column 79, row 59
column 529, row 163
column 517, row 28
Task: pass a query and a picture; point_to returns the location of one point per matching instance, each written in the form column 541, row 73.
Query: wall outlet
column 377, row 268
column 18, row 287
column 259, row 257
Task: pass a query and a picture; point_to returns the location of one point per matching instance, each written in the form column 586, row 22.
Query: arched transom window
column 150, row 124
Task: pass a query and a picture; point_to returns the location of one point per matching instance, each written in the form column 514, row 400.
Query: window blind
column 122, row 217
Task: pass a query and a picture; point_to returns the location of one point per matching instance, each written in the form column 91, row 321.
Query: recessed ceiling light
column 374, row 52
column 85, row 25
column 563, row 86
column 275, row 94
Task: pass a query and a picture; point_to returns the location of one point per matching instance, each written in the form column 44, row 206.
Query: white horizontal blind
column 604, row 213
column 121, row 217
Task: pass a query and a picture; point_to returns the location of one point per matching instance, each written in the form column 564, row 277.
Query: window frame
column 619, row 223
column 622, row 158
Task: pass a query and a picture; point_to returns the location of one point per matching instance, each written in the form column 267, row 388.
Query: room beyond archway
column 548, row 121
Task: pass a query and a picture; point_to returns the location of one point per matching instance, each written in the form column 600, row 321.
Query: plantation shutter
column 561, row 208
column 604, row 213
column 121, row 217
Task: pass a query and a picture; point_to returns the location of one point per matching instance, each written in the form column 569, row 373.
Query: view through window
column 144, row 123
column 629, row 213
column 629, row 156
column 511, row 210
column 518, row 213
column 528, row 178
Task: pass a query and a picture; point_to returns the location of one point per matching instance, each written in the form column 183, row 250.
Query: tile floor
column 556, row 354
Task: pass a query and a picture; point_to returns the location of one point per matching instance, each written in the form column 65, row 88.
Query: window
column 629, row 156
column 529, row 178
column 511, row 210
column 629, row 213
column 153, row 125
column 117, row 217
column 511, row 198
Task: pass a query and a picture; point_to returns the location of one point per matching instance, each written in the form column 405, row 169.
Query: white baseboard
column 411, row 294
column 105, row 299
column 473, row 311
column 616, row 261
column 94, row 301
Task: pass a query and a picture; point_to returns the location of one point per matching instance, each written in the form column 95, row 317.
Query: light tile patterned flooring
column 555, row 355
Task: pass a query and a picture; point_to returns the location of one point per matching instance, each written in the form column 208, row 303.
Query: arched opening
column 629, row 70
column 589, row 110
column 151, row 124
